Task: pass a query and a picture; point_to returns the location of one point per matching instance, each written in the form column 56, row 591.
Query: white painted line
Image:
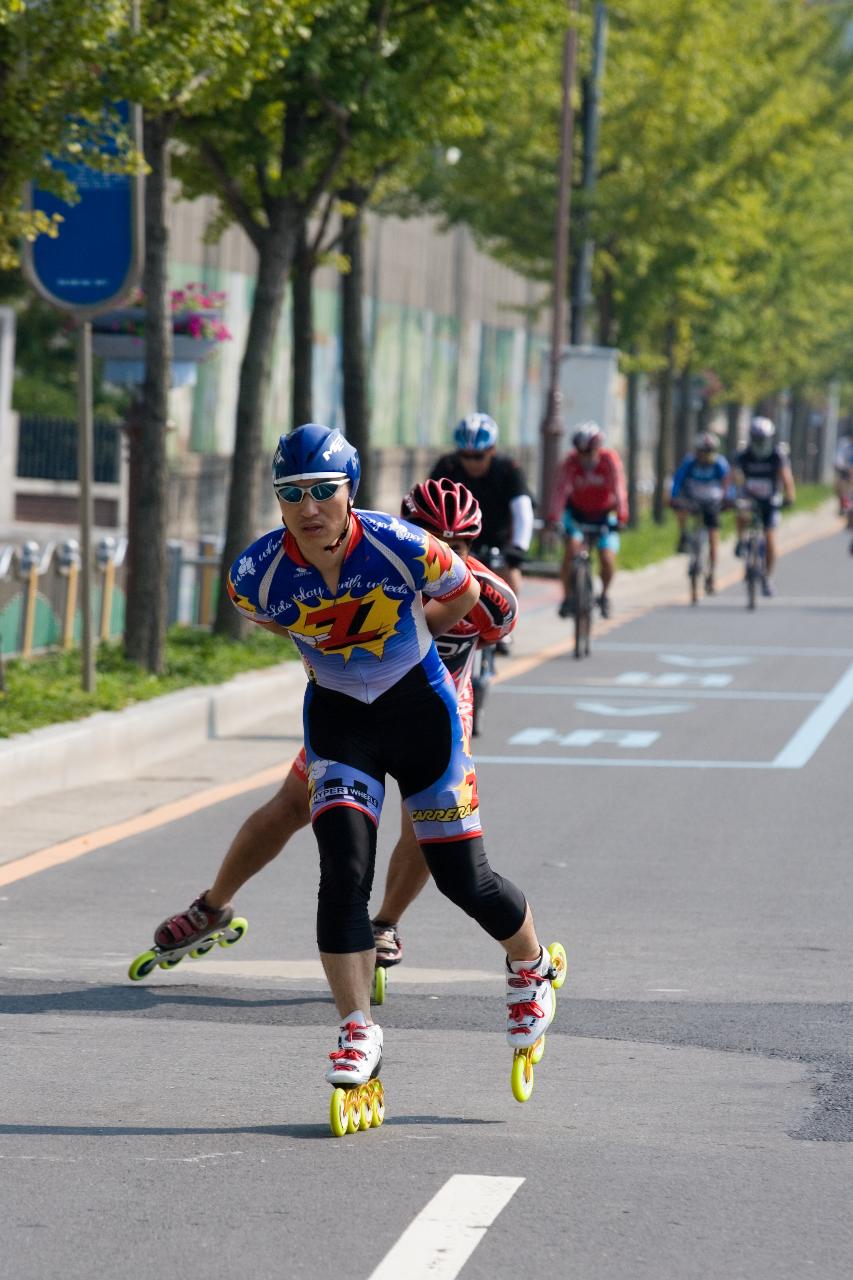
column 673, row 680
column 447, row 1231
column 771, row 651
column 625, row 691
column 627, row 762
column 309, row 970
column 811, row 733
column 680, row 660
column 645, row 708
column 634, row 738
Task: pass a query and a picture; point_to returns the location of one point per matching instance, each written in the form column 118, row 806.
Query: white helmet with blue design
column 476, row 433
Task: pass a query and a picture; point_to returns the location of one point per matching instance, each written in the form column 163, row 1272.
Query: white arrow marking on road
column 679, row 660
column 650, row 709
column 446, row 1232
column 671, row 680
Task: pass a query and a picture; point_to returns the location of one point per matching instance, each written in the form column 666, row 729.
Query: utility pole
column 551, row 431
column 583, row 299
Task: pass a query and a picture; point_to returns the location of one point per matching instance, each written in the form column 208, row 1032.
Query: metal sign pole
column 85, row 432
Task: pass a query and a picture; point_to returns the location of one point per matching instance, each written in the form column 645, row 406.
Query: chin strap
column 333, row 546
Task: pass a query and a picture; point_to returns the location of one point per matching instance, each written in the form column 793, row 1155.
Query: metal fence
column 39, row 591
column 47, row 450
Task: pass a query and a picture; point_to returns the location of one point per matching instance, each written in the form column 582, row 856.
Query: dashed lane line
column 441, row 1239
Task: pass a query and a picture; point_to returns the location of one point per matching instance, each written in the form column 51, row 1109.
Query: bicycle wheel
column 694, row 567
column 753, row 573
column 582, row 596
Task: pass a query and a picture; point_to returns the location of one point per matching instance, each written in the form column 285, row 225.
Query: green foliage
column 51, row 103
column 47, row 690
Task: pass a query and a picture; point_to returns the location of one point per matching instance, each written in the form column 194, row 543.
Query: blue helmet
column 476, row 433
column 312, row 452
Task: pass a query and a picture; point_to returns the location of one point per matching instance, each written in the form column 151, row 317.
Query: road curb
column 114, row 744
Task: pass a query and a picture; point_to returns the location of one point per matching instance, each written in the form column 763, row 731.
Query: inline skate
column 193, row 932
column 531, row 1005
column 358, row 1099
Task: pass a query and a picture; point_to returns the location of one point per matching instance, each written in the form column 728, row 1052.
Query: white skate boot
column 530, row 1000
column 358, row 1056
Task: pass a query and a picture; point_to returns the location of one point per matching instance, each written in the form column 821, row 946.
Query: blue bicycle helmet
column 313, row 452
column 476, row 433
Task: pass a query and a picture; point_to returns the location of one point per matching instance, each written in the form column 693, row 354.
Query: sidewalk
column 200, row 739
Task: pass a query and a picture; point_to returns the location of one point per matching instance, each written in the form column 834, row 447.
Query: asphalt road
column 677, row 810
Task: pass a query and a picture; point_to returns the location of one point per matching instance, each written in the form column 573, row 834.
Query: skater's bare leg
column 524, row 944
column 407, row 874
column 260, row 839
column 350, row 977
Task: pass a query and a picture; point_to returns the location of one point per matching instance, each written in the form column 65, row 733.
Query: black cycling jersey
column 494, row 491
column 762, row 475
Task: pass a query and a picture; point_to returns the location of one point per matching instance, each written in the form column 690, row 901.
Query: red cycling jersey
column 592, row 491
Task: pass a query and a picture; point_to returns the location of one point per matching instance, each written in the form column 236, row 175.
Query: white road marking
column 672, row 680
column 627, row 762
column 811, row 733
column 767, row 651
column 646, row 709
column 306, row 970
column 680, row 660
column 626, row 691
column 635, row 738
column 446, row 1232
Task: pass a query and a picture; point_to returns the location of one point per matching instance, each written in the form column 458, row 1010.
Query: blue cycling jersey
column 363, row 639
column 701, row 482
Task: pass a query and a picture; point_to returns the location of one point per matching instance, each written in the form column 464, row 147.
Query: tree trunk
column 799, row 434
column 663, row 452
column 356, row 408
column 275, row 260
column 145, row 619
column 684, row 428
column 632, row 428
column 732, row 420
column 302, row 327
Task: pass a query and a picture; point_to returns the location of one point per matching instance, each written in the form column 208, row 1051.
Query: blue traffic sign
column 97, row 256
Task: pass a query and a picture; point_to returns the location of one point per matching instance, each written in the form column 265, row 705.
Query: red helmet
column 443, row 507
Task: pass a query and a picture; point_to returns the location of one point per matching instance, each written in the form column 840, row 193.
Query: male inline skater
column 347, row 586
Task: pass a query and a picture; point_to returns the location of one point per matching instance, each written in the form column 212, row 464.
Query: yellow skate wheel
column 522, row 1075
column 537, row 1051
column 234, row 932
column 142, row 966
column 203, row 949
column 557, row 953
column 365, row 1106
column 170, row 961
column 353, row 1110
column 338, row 1112
column 380, row 981
column 377, row 1103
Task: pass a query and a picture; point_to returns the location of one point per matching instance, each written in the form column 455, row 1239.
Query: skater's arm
column 441, row 615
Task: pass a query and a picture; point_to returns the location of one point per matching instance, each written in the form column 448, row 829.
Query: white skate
column 530, row 1000
column 358, row 1056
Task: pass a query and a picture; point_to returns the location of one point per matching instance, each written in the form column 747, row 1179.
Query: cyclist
column 500, row 487
column 763, row 474
column 589, row 488
column 347, row 586
column 447, row 510
column 700, row 483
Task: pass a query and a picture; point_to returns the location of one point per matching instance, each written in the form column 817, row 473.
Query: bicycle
column 698, row 550
column 583, row 590
column 753, row 543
